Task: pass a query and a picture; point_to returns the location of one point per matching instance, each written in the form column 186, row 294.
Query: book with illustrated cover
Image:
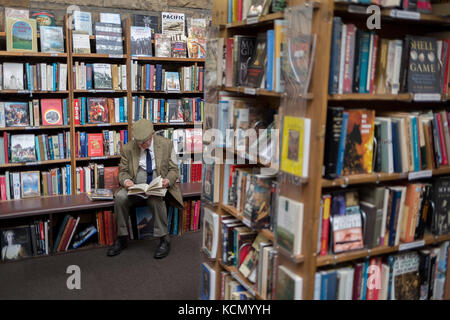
column 21, row 35
column 179, row 47
column 258, row 201
column 423, row 65
column 278, row 5
column 295, row 146
column 172, row 81
column 111, row 178
column 197, row 28
column 100, row 194
column 289, row 285
column 12, row 76
column 440, row 223
column 358, row 155
column 141, row 41
column 163, row 45
column 17, row 13
column 23, row 148
column 143, row 190
column 80, row 42
column 149, row 21
column 257, row 64
column 114, row 18
column 108, row 38
column 173, row 23
column 258, row 8
column 175, row 109
column 17, row 114
column 16, row 243
column 30, row 184
column 95, row 144
column 51, row 112
column 43, row 18
column 406, row 280
column 144, row 223
column 102, row 76
column 82, row 21
column 179, row 139
column 210, row 232
column 347, row 232
column 208, row 282
column 289, row 225
column 52, row 39
column 196, row 48
column 98, row 110
column 245, row 47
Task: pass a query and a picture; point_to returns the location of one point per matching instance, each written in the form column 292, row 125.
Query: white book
column 81, row 43
column 123, row 82
column 211, row 280
column 62, row 77
column 111, row 143
column 288, row 278
column 43, row 67
column 64, row 180
column 342, row 59
column 290, row 225
column 264, row 271
column 349, row 287
column 2, row 115
column 397, row 64
column 73, row 232
column 369, row 64
column 46, row 236
column 110, row 18
column 317, row 286
column 210, row 237
column 1, row 76
column 83, row 76
column 384, row 282
column 87, row 173
column 16, row 185
column 49, row 77
column 82, row 21
column 116, row 110
column 2, row 151
column 7, row 178
column 390, row 65
column 31, row 113
column 12, row 76
column 384, row 241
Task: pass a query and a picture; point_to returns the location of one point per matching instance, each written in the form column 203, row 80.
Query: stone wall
column 192, row 8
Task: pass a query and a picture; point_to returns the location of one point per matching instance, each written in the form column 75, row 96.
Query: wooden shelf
column 191, row 189
column 97, row 158
column 34, row 128
column 242, row 280
column 101, row 91
column 100, row 125
column 259, row 92
column 12, row 54
column 163, row 92
column 376, row 177
column 32, row 92
column 99, row 56
column 165, row 59
column 256, row 22
column 159, row 124
column 36, row 163
column 404, row 97
column 359, row 254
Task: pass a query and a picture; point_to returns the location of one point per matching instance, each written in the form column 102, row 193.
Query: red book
column 41, row 228
column 105, row 227
column 325, row 233
column 122, row 135
column 95, row 144
column 3, row 188
column 349, row 43
column 100, row 228
column 110, row 227
column 446, row 67
column 374, row 63
column 64, row 236
column 441, row 140
column 239, row 10
column 229, row 62
column 81, row 180
column 76, row 111
column 51, row 112
column 357, row 279
column 5, row 140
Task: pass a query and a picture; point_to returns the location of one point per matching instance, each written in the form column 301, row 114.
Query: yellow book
column 295, row 146
column 279, row 29
column 21, row 35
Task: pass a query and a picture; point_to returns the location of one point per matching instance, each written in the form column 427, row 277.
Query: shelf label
column 117, row 56
column 54, row 54
column 427, row 97
column 24, row 91
column 251, row 91
column 420, row 174
column 103, row 124
column 103, row 91
column 412, row 245
column 98, row 158
column 32, row 163
column 228, row 25
column 252, row 20
column 402, row 14
column 357, row 9
column 31, row 128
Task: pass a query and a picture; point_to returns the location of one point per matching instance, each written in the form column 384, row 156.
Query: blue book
column 324, row 286
column 89, row 69
column 121, row 110
column 46, row 151
column 416, row 148
column 158, row 77
column 38, row 150
column 147, row 77
column 270, row 59
column 169, row 219
column 55, row 76
column 342, row 140
column 83, row 144
column 333, row 81
column 27, row 70
column 230, row 11
column 85, row 235
column 66, row 113
column 391, row 260
column 50, row 147
column 60, row 232
column 61, row 145
column 59, row 179
column 364, row 280
column 393, row 218
column 364, row 1
column 68, row 150
column 126, row 137
column 81, row 100
column 68, row 179
column 332, row 285
column 364, row 48
column 222, row 121
column 396, row 146
column 84, row 107
column 175, row 221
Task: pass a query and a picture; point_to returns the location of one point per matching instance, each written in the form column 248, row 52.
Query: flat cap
column 142, row 130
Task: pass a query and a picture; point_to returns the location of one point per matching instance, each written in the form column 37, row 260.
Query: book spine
column 364, row 65
column 342, row 140
column 441, row 140
column 333, row 82
column 325, row 226
column 349, row 56
column 415, row 137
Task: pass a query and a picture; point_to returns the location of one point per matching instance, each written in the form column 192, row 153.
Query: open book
column 144, row 190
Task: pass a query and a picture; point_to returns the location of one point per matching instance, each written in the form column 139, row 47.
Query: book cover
column 51, row 112
column 111, row 178
column 406, row 277
column 163, row 45
column 176, row 110
column 332, row 138
column 289, row 225
column 144, row 223
column 17, row 114
column 141, row 41
column 98, row 111
column 173, row 23
column 30, row 184
column 359, row 142
column 52, row 39
column 179, row 47
column 16, row 243
column 13, row 76
column 208, row 282
column 258, row 8
column 245, row 48
column 196, row 48
column 197, row 27
column 289, row 285
column 441, row 199
column 347, row 233
column 95, row 144
column 81, row 43
column 43, row 18
column 257, row 202
column 149, row 21
column 23, row 148
column 256, row 66
column 172, row 81
column 210, row 232
column 21, row 35
column 102, row 76
column 295, row 146
column 108, row 38
column 82, row 21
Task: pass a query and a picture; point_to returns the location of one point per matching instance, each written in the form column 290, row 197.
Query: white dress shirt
column 143, row 158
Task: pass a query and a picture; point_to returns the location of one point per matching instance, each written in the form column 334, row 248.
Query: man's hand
column 128, row 183
column 165, row 183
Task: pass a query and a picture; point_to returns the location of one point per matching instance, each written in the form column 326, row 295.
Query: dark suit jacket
column 165, row 166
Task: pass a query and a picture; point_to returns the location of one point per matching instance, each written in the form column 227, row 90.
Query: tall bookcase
column 50, row 206
column 318, row 101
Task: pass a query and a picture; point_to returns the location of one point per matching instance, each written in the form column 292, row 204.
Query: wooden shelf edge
column 259, row 92
column 34, row 163
column 97, row 158
column 167, row 59
column 33, row 128
column 32, row 54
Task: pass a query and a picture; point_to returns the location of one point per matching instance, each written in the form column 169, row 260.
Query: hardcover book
column 175, row 109
column 108, row 38
column 23, row 148
column 17, row 13
column 17, row 114
column 258, row 62
column 245, row 48
column 95, row 144
column 144, row 223
column 43, row 18
column 257, row 201
column 52, row 39
column 423, row 65
column 30, row 184
column 210, row 232
column 21, row 35
column 197, row 28
column 148, row 21
column 289, row 285
column 196, row 48
column 405, row 277
column 440, row 224
column 81, row 43
column 141, row 41
column 16, row 243
column 51, row 112
column 173, row 23
column 113, row 18
column 12, row 76
column 289, row 225
column 163, row 45
column 98, row 110
column 172, row 82
column 208, row 282
column 178, row 47
column 82, row 21
column 347, row 232
column 102, row 76
column 358, row 155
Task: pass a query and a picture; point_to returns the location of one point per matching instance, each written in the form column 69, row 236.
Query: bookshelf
column 52, row 207
column 318, row 102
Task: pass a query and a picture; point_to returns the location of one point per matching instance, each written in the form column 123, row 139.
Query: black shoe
column 120, row 244
column 163, row 249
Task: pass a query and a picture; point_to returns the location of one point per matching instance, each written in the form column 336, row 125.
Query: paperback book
column 52, row 39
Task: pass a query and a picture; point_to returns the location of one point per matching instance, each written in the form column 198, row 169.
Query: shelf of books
column 66, row 109
column 373, row 195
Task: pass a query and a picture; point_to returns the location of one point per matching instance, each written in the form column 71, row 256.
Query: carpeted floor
column 133, row 274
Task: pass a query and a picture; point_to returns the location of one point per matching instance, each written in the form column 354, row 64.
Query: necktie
column 149, row 167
